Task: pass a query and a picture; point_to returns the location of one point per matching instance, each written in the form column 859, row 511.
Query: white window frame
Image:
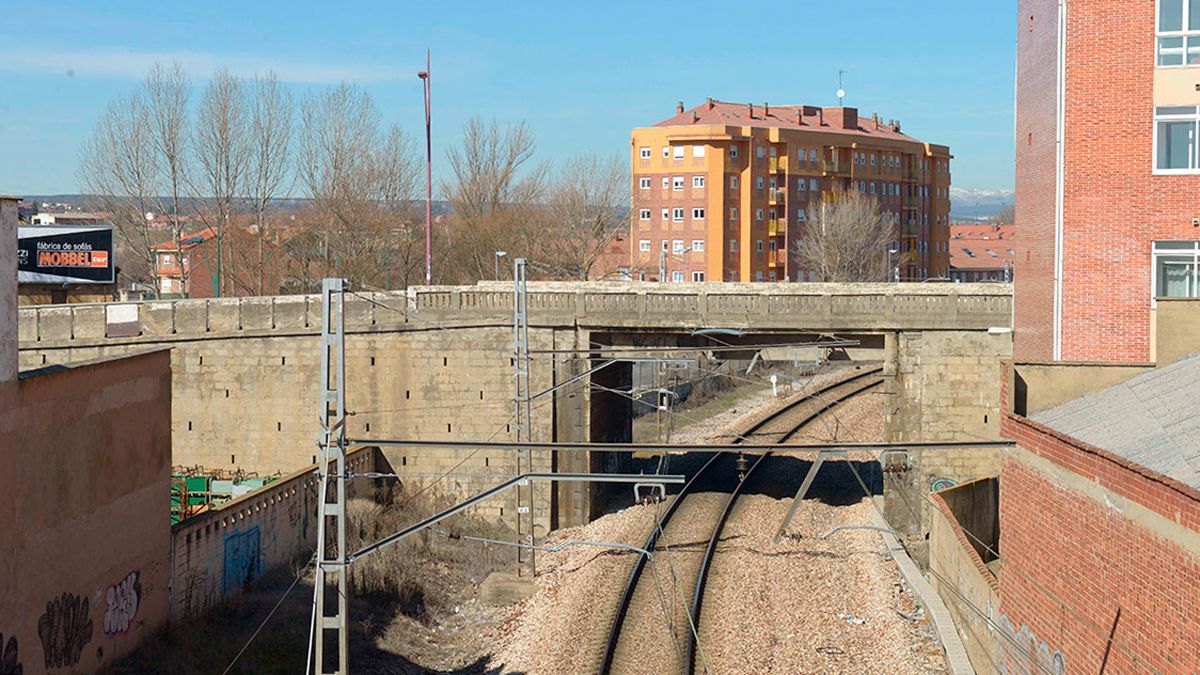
column 733, row 182
column 800, row 217
column 733, row 152
column 644, row 245
column 758, row 276
column 1174, row 249
column 677, row 246
column 1194, row 118
column 677, row 214
column 812, row 185
column 733, row 245
column 698, row 214
column 758, row 151
column 758, row 246
column 801, row 185
column 733, row 213
column 644, row 152
column 758, row 183
column 697, row 277
column 698, row 246
column 678, row 151
column 698, row 151
column 758, row 215
column 666, row 182
column 644, row 183
column 698, row 182
column 1189, row 38
column 677, row 184
column 677, row 277
column 666, row 214
column 644, row 214
column 666, row 152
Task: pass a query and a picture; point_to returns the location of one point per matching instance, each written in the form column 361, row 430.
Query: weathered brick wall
column 1036, row 177
column 1095, row 546
column 215, row 555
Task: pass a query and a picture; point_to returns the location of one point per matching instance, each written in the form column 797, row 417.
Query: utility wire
column 268, row 617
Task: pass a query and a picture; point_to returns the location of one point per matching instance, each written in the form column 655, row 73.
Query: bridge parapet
column 755, row 307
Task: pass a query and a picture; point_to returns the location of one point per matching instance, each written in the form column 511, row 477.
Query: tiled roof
column 188, row 240
column 785, row 117
column 981, row 246
column 1150, row 419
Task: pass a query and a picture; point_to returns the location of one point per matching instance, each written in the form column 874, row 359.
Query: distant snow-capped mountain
column 978, row 204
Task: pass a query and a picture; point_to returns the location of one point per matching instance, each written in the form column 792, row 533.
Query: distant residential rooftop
column 1150, row 420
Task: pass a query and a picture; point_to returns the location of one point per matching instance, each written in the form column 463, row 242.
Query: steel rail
column 710, row 551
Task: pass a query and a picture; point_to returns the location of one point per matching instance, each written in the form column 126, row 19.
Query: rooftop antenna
column 841, row 88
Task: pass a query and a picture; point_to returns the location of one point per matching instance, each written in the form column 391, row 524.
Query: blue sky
column 581, row 74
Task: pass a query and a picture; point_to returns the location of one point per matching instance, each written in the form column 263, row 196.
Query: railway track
column 639, row 639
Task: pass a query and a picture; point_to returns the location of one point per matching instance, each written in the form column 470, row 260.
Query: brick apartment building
column 1108, row 173
column 724, row 188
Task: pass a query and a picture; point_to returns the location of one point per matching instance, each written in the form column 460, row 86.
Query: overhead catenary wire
column 262, row 624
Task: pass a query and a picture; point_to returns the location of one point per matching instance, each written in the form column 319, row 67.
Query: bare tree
column 397, row 172
column 493, row 197
column 588, row 205
column 167, row 93
column 846, row 239
column 1006, row 216
column 222, row 147
column 269, row 161
column 118, row 166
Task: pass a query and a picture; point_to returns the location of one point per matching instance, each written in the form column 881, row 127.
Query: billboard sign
column 65, row 255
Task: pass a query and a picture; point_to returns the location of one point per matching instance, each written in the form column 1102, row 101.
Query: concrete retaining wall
column 217, row 554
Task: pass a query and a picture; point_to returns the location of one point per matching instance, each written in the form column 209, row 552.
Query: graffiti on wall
column 10, row 662
column 65, row 629
column 123, row 599
column 941, row 484
column 243, row 560
column 1021, row 652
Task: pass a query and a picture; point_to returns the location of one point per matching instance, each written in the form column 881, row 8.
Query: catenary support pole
column 330, row 607
column 524, row 424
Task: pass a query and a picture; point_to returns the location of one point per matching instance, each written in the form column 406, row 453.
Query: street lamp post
column 893, row 250
column 499, row 255
column 424, row 76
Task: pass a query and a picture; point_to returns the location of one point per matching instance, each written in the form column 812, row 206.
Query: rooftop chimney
column 679, row 108
column 750, row 108
column 766, row 109
column 695, row 117
column 711, row 104
column 821, row 117
column 8, row 290
column 800, row 116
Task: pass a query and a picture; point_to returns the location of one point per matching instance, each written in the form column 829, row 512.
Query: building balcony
column 776, row 196
column 773, row 227
column 910, row 203
column 839, row 167
column 779, row 164
column 910, row 173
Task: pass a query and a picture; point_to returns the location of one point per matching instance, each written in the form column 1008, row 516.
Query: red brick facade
column 1076, row 570
column 1114, row 208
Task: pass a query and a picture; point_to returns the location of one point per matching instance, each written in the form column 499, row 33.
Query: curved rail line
column 821, row 400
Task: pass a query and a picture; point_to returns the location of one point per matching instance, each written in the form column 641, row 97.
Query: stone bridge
column 435, row 363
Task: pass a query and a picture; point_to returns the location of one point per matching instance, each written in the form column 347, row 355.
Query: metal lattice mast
column 332, row 567
column 524, row 423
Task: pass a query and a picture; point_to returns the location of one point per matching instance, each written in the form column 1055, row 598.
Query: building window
column 758, row 276
column 666, row 214
column 666, row 182
column 644, row 246
column 666, row 152
column 677, row 215
column 698, row 245
column 697, row 276
column 698, row 181
column 644, row 214
column 677, row 277
column 644, row 183
column 733, row 152
column 666, row 245
column 758, row 183
column 166, row 259
column 771, row 276
column 678, row 152
column 697, row 151
column 801, row 185
column 812, row 155
column 872, row 159
column 677, row 246
column 812, row 184
column 1178, row 32
column 1175, row 133
column 733, row 182
column 645, row 153
column 697, row 214
column 773, row 245
column 758, row 246
column 1176, row 269
column 733, row 213
column 733, row 245
column 800, row 215
column 677, row 183
column 758, row 215
column 758, row 151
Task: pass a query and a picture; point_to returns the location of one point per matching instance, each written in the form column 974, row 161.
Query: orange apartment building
column 721, row 191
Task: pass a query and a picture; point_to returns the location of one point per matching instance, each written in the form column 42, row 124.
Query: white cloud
column 124, row 63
